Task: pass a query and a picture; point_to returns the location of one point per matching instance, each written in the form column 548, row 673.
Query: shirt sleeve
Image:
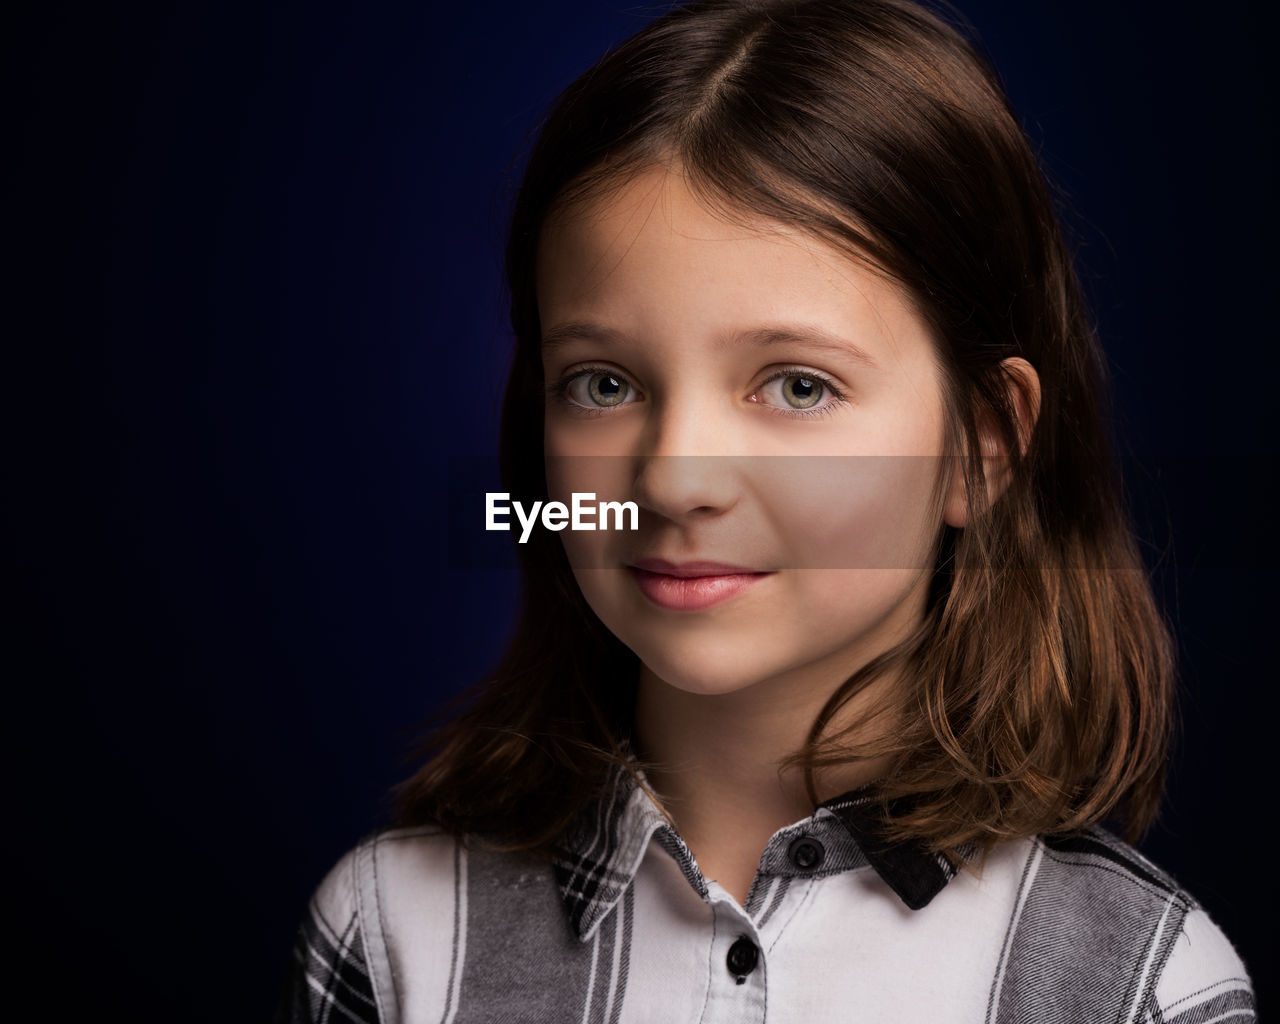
column 1203, row 979
column 328, row 981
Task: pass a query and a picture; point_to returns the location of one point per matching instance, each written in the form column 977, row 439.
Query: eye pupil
column 607, row 390
column 802, row 392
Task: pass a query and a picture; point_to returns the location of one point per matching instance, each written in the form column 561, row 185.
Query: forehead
column 650, row 255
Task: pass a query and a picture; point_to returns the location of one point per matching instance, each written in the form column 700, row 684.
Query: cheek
column 608, row 478
column 569, row 434
column 849, row 600
column 851, row 512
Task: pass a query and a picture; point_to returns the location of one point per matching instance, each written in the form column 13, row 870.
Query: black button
column 806, row 853
column 742, row 959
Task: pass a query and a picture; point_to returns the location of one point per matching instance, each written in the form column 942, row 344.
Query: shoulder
column 1098, row 865
column 386, row 934
column 1204, row 978
column 1098, row 922
column 398, row 862
column 342, row 968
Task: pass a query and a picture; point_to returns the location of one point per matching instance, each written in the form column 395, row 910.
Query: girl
column 829, row 735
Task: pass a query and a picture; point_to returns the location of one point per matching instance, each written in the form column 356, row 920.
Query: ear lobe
column 1023, row 390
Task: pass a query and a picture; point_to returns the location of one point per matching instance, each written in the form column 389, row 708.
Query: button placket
column 744, row 956
column 738, row 970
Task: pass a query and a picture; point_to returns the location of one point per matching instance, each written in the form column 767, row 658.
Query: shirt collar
column 602, row 851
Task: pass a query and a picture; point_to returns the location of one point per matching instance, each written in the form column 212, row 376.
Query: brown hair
column 1039, row 688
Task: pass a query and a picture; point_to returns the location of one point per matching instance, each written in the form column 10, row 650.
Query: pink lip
column 691, row 586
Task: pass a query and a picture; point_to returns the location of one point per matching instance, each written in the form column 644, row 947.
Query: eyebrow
column 579, row 330
column 810, row 337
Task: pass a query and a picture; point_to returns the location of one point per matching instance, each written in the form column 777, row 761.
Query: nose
column 685, row 468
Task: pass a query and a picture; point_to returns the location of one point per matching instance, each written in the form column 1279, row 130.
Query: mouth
column 691, row 586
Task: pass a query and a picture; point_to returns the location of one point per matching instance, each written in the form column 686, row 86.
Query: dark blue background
column 254, row 304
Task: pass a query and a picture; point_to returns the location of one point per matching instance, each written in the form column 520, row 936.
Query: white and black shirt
column 415, row 926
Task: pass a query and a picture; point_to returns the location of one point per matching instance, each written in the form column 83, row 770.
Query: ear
column 1023, row 388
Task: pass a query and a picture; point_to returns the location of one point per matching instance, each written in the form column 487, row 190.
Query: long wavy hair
column 1037, row 692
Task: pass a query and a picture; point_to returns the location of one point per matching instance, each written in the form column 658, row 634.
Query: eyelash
column 559, row 390
column 838, row 397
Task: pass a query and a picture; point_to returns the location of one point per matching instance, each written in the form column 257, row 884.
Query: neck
column 717, row 762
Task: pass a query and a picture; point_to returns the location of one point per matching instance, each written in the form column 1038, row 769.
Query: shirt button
column 742, row 959
column 806, row 853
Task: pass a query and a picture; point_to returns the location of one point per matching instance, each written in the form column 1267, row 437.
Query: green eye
column 797, row 391
column 593, row 389
column 607, row 389
column 801, row 392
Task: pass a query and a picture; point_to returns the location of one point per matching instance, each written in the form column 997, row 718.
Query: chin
column 702, row 669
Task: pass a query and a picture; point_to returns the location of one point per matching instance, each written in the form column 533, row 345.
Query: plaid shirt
column 415, row 926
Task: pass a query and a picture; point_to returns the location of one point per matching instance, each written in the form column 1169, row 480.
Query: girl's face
column 775, row 410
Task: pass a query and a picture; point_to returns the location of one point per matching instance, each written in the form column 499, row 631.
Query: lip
column 691, row 586
column 686, row 570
